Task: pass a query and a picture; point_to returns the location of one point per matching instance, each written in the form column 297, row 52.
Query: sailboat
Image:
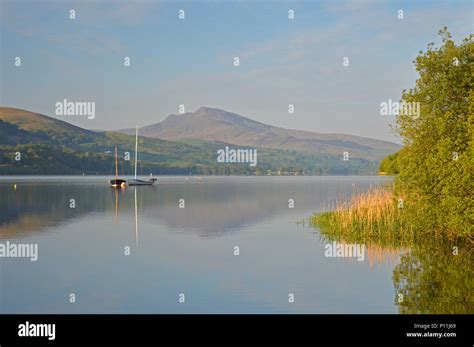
column 135, row 181
column 117, row 182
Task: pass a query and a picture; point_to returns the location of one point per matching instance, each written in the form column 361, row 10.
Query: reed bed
column 371, row 216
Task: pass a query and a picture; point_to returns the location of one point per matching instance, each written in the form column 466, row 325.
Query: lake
column 187, row 245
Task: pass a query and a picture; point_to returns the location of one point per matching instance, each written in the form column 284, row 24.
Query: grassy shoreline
column 372, row 215
column 376, row 216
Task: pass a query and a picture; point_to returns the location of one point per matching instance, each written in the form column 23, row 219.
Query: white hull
column 141, row 183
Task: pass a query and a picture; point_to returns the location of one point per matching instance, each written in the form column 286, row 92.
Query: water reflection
column 186, row 249
column 430, row 276
column 436, row 278
column 33, row 207
column 136, row 218
column 212, row 205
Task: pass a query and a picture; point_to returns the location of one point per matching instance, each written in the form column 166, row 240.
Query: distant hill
column 51, row 146
column 213, row 124
column 32, row 121
column 11, row 135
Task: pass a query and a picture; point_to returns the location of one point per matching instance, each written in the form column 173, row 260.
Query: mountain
column 51, row 146
column 213, row 124
column 32, row 121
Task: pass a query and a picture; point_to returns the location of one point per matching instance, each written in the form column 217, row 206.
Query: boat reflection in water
column 136, row 210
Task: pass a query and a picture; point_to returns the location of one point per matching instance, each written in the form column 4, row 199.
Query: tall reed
column 371, row 216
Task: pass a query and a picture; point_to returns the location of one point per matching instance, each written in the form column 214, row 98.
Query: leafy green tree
column 389, row 164
column 437, row 161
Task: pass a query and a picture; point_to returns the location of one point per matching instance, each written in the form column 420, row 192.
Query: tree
column 389, row 164
column 437, row 161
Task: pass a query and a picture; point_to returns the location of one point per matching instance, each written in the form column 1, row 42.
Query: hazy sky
column 191, row 61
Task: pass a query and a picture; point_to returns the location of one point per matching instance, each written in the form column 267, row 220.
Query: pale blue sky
column 190, row 61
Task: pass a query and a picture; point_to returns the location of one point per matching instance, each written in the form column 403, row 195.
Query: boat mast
column 116, row 163
column 136, row 151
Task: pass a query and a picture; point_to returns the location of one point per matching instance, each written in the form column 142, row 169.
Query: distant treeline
column 54, row 152
column 42, row 159
column 389, row 164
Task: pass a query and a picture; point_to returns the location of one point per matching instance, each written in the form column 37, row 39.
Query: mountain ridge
column 51, row 146
column 213, row 124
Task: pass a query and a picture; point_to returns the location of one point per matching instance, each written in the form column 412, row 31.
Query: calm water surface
column 186, row 250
